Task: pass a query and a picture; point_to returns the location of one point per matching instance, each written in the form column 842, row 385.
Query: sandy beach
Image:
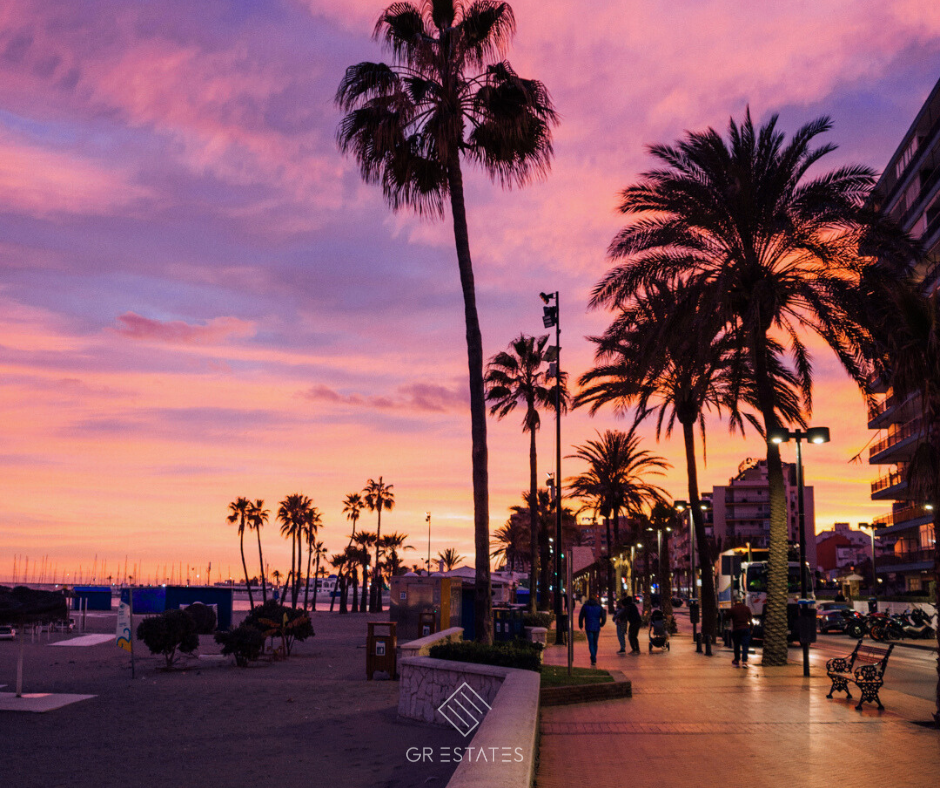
column 312, row 720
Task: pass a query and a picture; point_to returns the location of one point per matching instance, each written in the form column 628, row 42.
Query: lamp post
column 682, row 506
column 874, row 573
column 550, row 317
column 813, row 435
column 427, row 517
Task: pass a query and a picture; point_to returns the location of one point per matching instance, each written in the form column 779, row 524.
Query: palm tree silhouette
column 238, row 513
column 514, row 542
column 777, row 252
column 319, row 551
column 364, row 541
column 257, row 519
column 293, row 512
column 666, row 355
column 519, row 377
column 312, row 524
column 450, row 559
column 352, row 508
column 377, row 496
column 449, row 94
column 615, row 481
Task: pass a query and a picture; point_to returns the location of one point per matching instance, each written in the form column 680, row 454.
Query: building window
column 927, row 540
column 906, row 157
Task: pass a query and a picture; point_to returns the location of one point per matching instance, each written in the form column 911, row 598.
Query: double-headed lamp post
column 812, row 435
column 550, row 317
column 682, row 506
column 874, row 574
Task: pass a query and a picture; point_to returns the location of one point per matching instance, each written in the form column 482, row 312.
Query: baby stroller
column 659, row 635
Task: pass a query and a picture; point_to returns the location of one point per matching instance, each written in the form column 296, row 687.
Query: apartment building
column 741, row 509
column 909, row 192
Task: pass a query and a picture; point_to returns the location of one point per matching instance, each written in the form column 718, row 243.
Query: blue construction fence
column 161, row 598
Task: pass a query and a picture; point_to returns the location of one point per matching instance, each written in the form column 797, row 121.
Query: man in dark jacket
column 591, row 619
column 634, row 620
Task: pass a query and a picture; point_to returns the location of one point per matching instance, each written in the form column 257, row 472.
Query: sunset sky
column 201, row 300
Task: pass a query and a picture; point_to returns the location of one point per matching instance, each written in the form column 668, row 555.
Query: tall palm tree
column 667, row 355
column 909, row 361
column 391, row 544
column 340, row 562
column 364, row 541
column 312, row 523
column 352, row 508
column 239, row 510
column 615, row 480
column 520, row 376
column 353, row 562
column 257, row 519
column 377, row 496
column 779, row 254
column 318, row 550
column 294, row 512
column 514, row 543
column 449, row 95
column 450, row 559
column 544, row 511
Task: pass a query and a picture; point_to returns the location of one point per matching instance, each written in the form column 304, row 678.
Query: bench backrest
column 871, row 655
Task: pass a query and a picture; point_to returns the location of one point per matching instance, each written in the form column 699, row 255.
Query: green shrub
column 275, row 620
column 204, row 616
column 517, row 654
column 244, row 642
column 542, row 619
column 167, row 632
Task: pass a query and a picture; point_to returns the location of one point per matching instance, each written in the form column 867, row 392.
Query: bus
column 742, row 571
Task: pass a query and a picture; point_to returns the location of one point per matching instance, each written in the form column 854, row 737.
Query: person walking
column 620, row 619
column 634, row 621
column 591, row 619
column 740, row 631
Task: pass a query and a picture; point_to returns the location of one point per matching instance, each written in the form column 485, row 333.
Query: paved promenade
column 697, row 721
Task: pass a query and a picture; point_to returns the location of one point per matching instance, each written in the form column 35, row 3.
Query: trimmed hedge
column 244, row 642
column 518, row 654
column 167, row 632
column 543, row 619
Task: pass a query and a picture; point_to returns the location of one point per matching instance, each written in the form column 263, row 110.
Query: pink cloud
column 425, row 397
column 219, row 329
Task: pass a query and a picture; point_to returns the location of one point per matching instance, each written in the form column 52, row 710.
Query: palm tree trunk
column 375, row 597
column 316, row 574
column 264, row 582
column 775, row 608
column 533, row 520
column 362, row 602
column 483, row 613
column 709, row 611
column 307, row 585
column 241, row 545
column 665, row 578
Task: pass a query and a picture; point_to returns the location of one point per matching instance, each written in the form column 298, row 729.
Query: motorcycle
column 914, row 625
column 858, row 625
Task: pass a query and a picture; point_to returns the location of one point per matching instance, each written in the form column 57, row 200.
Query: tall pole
column 559, row 635
column 694, row 590
column 428, row 518
column 798, row 434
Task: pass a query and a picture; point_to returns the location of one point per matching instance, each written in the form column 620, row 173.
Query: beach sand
column 312, row 720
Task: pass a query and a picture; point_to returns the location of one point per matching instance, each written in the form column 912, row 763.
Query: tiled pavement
column 697, row 721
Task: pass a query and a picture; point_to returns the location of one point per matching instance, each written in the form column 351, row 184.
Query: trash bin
column 428, row 622
column 381, row 649
column 872, row 605
column 806, row 622
column 693, row 612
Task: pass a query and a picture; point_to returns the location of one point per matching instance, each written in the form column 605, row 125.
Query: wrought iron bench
column 864, row 667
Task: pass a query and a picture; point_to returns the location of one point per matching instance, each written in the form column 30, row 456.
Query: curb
column 586, row 693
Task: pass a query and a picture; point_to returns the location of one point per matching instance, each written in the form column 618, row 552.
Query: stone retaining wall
column 426, row 683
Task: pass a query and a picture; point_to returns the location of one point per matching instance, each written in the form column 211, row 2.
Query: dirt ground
column 312, row 720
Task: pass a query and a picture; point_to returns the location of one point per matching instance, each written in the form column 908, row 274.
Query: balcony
column 897, row 446
column 891, row 410
column 889, row 486
column 899, row 516
column 911, row 557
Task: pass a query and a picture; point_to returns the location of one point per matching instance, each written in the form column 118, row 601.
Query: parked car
column 7, row 633
column 829, row 616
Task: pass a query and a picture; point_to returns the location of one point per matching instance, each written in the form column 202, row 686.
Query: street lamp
column 427, row 517
column 874, row 573
column 682, row 506
column 550, row 318
column 813, row 435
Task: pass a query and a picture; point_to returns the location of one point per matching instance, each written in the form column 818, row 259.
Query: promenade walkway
column 697, row 721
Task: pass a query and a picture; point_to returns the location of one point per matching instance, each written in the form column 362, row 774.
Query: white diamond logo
column 465, row 709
